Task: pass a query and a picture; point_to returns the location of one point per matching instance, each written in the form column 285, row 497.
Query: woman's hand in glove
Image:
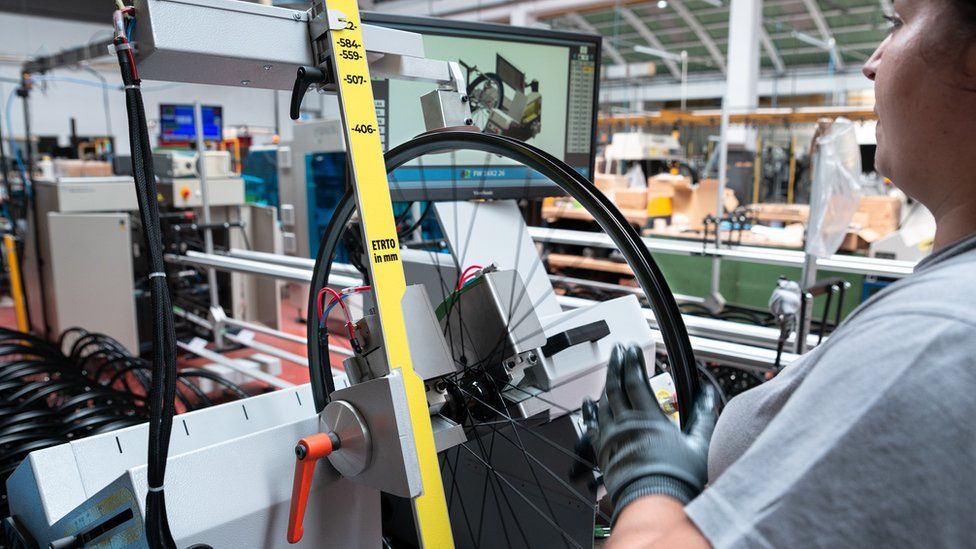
column 639, row 450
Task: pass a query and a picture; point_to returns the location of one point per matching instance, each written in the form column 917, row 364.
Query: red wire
column 464, row 275
column 132, row 59
column 335, row 296
column 130, row 11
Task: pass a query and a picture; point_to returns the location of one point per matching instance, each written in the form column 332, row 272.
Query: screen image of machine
column 536, row 86
column 177, row 123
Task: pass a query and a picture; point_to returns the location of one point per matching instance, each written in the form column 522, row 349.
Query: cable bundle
column 163, row 380
column 51, row 393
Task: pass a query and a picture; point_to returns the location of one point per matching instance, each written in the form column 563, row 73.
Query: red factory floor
column 291, row 372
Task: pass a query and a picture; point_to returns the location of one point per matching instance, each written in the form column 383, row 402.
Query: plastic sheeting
column 836, row 189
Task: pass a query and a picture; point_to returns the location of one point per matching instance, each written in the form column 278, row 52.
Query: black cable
column 163, row 387
column 30, row 202
column 48, row 397
column 703, row 370
column 409, row 231
column 780, row 343
column 234, row 388
column 247, row 241
column 5, row 174
column 403, row 215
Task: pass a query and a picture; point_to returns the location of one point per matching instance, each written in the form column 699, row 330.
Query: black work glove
column 640, row 451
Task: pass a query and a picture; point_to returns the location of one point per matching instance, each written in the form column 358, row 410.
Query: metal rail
column 727, row 342
column 256, row 345
column 271, row 270
column 719, row 340
column 769, row 256
column 349, row 270
column 344, row 275
column 232, row 364
column 268, row 349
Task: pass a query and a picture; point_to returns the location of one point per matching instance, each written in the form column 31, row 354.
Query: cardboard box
column 608, row 183
column 857, row 241
column 861, row 220
column 66, row 167
column 784, row 213
column 694, row 203
column 630, row 199
column 883, row 212
column 97, row 168
column 876, row 217
column 659, row 189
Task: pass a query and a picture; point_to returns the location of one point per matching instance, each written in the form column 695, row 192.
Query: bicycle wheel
column 485, row 94
column 511, row 389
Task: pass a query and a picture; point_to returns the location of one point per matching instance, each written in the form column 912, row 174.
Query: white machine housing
column 229, row 480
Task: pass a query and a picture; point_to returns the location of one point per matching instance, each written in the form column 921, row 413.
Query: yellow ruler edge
column 376, row 212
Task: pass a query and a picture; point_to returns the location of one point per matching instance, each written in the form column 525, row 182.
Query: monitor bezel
column 494, row 31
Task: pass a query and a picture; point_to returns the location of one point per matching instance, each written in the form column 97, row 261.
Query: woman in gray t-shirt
column 866, row 441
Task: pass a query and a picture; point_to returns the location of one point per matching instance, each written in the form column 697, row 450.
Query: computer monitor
column 538, row 86
column 177, row 123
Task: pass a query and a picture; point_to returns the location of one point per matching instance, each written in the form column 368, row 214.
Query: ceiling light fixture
column 657, row 53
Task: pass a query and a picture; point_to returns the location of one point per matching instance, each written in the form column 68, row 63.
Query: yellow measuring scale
column 386, row 270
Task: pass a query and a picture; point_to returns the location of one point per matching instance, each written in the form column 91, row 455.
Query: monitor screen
column 177, row 123
column 537, row 86
column 509, row 74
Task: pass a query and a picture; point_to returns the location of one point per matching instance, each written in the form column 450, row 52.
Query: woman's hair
column 967, row 12
column 960, row 34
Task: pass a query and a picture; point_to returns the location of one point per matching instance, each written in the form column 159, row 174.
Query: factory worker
column 868, row 440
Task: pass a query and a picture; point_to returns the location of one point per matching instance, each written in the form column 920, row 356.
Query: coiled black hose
column 50, row 397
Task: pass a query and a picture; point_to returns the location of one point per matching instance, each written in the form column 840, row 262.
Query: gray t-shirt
column 868, row 440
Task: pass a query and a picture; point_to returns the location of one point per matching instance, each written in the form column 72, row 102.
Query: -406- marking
column 364, row 128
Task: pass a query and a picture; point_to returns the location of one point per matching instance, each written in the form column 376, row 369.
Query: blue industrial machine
column 260, row 174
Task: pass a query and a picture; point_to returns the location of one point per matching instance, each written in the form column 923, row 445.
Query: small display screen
column 177, row 123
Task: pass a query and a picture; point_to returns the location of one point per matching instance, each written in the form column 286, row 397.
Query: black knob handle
column 587, row 333
column 305, row 78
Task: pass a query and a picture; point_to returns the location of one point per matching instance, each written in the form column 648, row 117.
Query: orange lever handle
column 308, row 451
